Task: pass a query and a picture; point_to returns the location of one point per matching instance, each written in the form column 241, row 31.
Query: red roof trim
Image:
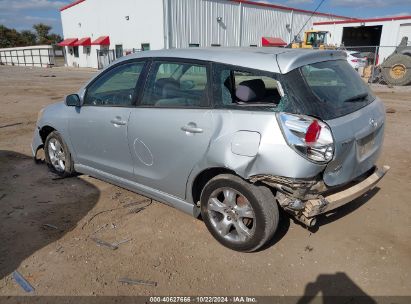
column 86, row 41
column 68, row 42
column 71, row 4
column 364, row 20
column 288, row 8
column 103, row 40
column 251, row 3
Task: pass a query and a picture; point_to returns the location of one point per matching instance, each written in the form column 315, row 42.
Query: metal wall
column 198, row 22
column 195, row 21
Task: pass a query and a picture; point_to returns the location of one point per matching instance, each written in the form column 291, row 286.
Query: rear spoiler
column 289, row 61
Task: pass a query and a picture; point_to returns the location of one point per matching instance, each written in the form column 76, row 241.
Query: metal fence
column 36, row 56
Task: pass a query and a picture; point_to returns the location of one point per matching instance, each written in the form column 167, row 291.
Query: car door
column 98, row 129
column 170, row 129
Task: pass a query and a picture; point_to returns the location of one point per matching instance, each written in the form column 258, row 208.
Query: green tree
column 4, row 41
column 13, row 38
column 42, row 31
column 27, row 38
column 54, row 38
column 9, row 37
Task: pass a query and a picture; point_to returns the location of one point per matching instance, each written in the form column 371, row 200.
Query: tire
column 57, row 155
column 240, row 215
column 397, row 70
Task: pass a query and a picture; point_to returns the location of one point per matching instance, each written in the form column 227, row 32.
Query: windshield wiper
column 358, row 97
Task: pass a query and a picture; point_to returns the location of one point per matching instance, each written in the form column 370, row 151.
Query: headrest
column 250, row 90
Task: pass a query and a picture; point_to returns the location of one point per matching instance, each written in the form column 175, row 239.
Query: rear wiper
column 357, row 97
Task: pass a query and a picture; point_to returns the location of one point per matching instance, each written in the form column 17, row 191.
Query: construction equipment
column 313, row 39
column 396, row 69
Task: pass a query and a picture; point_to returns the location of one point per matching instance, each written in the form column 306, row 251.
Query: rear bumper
column 324, row 204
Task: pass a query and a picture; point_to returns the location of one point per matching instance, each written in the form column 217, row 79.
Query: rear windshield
column 326, row 90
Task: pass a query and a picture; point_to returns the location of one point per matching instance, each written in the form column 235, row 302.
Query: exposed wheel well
column 44, row 132
column 201, row 180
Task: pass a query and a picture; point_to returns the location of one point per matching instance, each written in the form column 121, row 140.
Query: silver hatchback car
column 230, row 135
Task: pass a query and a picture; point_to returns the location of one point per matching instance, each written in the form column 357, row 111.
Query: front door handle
column 192, row 128
column 118, row 122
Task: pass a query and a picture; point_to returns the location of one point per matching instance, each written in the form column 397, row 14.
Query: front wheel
column 57, row 155
column 240, row 215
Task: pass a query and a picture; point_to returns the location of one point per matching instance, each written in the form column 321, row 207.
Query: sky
column 22, row 14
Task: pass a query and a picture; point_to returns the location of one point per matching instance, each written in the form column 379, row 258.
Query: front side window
column 115, row 87
column 239, row 88
column 176, row 85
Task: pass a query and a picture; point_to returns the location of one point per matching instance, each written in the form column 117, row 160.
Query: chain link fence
column 383, row 65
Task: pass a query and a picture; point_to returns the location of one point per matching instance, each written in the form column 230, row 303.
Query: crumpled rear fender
column 234, row 146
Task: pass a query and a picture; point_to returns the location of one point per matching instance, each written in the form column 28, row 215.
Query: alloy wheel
column 57, row 155
column 231, row 214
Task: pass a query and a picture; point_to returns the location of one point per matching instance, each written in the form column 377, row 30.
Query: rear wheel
column 240, row 215
column 397, row 70
column 57, row 155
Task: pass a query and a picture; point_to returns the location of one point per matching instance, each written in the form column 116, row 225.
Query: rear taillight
column 313, row 132
column 354, row 60
column 309, row 136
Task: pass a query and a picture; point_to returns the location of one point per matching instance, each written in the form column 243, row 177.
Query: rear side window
column 239, row 88
column 176, row 85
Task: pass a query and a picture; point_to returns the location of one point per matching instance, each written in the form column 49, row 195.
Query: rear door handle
column 118, row 122
column 192, row 128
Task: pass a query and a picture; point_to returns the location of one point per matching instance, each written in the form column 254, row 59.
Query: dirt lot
column 363, row 249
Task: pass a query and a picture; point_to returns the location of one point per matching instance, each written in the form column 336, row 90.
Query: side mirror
column 73, row 100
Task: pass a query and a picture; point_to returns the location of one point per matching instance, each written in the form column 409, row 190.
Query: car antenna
column 309, row 18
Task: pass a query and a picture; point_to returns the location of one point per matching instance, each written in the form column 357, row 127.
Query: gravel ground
column 47, row 229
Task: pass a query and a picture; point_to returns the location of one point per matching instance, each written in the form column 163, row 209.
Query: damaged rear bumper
column 307, row 198
column 327, row 203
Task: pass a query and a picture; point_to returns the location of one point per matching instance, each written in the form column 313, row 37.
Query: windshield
column 316, row 38
column 327, row 90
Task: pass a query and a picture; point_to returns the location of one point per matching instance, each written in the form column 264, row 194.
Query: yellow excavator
column 313, row 39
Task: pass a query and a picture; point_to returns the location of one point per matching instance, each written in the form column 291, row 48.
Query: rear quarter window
column 326, row 90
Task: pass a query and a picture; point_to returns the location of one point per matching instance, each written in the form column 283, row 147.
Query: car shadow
column 336, row 214
column 36, row 208
column 334, row 289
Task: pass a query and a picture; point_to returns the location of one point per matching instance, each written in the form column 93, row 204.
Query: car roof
column 271, row 59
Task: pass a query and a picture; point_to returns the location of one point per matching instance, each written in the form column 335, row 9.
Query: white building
column 92, row 27
column 379, row 35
